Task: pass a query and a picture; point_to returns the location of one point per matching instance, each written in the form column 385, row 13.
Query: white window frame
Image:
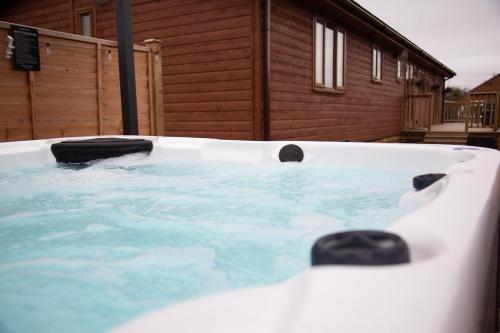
column 80, row 13
column 328, row 76
column 377, row 63
column 399, row 69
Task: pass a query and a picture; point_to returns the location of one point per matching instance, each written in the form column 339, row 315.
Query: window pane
column 340, row 59
column 374, row 63
column 379, row 64
column 319, row 53
column 399, row 69
column 328, row 57
column 86, row 25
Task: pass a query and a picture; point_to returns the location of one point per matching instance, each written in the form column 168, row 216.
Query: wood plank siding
column 208, row 63
column 366, row 111
column 49, row 14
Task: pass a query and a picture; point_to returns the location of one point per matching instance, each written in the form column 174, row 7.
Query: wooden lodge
column 270, row 69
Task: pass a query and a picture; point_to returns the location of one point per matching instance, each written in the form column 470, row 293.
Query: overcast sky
column 462, row 34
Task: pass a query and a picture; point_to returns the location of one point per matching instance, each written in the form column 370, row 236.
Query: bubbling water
column 85, row 249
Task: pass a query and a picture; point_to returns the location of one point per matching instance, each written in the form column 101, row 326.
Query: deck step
column 412, row 136
column 446, row 135
column 445, row 141
column 452, row 138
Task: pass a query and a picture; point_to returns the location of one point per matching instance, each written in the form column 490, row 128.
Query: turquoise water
column 84, row 250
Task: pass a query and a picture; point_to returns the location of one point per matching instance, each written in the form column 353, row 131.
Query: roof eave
column 384, row 28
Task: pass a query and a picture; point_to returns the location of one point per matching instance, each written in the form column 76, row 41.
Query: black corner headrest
column 423, row 181
column 81, row 151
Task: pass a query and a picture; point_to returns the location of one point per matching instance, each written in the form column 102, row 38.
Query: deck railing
column 482, row 110
column 454, row 111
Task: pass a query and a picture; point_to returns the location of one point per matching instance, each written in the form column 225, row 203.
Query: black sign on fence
column 26, row 53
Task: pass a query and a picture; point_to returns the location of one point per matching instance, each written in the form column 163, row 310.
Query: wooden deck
column 453, row 133
column 458, row 127
column 472, row 121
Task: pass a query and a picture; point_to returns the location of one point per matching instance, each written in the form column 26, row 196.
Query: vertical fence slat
column 467, row 113
column 491, row 118
column 490, row 109
column 431, row 115
column 31, row 79
column 99, row 88
column 472, row 114
column 154, row 46
column 479, row 111
column 497, row 110
column 152, row 118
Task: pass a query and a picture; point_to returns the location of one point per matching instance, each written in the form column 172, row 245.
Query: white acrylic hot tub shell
column 452, row 238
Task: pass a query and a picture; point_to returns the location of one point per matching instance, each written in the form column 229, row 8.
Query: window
column 376, row 63
column 410, row 71
column 398, row 70
column 85, row 22
column 319, row 52
column 329, row 56
column 340, row 58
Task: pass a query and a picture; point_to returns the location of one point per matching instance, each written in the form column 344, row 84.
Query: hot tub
column 450, row 228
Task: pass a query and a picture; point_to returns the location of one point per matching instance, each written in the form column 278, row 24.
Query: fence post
column 403, row 112
column 99, row 89
column 467, row 105
column 431, row 105
column 496, row 117
column 156, row 89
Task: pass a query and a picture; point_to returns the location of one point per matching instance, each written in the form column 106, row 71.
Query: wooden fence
column 422, row 103
column 418, row 111
column 77, row 90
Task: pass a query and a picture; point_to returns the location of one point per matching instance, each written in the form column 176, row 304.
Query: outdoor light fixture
column 10, row 47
